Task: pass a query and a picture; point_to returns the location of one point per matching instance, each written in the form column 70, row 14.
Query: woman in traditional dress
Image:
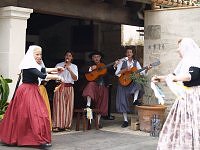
column 181, row 130
column 26, row 121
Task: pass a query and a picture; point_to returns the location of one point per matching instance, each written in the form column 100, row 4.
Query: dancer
column 26, row 121
column 181, row 130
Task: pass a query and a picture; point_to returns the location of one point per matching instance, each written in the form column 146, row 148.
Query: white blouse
column 66, row 74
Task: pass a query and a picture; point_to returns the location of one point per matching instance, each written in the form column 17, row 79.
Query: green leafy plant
column 4, row 92
column 140, row 79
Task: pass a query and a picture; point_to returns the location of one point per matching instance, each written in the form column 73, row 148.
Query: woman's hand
column 155, row 79
column 60, row 78
column 60, row 69
column 172, row 77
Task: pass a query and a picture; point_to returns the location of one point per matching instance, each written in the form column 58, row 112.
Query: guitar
column 99, row 71
column 125, row 78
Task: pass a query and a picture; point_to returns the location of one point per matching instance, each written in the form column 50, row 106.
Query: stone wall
column 163, row 28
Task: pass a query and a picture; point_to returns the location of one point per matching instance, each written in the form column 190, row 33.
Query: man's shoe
column 137, row 102
column 55, row 130
column 87, row 106
column 125, row 124
column 100, row 126
column 108, row 117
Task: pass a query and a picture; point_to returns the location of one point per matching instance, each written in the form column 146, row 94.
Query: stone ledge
column 15, row 12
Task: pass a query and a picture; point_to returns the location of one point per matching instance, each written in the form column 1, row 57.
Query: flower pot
column 145, row 114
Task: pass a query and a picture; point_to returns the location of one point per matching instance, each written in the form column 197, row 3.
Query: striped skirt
column 63, row 105
column 181, row 130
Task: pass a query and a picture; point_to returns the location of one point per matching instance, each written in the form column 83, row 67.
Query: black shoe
column 137, row 102
column 125, row 124
column 87, row 106
column 46, row 145
column 100, row 126
column 108, row 117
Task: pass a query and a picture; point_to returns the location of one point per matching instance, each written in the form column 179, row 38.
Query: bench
column 81, row 115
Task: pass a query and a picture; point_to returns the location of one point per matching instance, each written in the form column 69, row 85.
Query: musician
column 133, row 89
column 63, row 101
column 97, row 91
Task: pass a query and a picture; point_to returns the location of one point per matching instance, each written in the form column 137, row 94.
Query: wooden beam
column 140, row 1
column 4, row 3
column 85, row 9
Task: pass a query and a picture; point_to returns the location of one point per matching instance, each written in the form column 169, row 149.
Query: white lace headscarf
column 29, row 61
column 190, row 56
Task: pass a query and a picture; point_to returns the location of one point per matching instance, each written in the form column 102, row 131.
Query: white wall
column 163, row 28
column 13, row 23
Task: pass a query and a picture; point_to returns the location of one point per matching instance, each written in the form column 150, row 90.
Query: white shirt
column 129, row 65
column 66, row 74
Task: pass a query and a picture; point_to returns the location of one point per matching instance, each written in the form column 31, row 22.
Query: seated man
column 97, row 90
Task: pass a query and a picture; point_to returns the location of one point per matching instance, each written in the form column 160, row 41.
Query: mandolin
column 99, row 71
column 125, row 78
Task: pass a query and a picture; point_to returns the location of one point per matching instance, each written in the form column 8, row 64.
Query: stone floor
column 110, row 137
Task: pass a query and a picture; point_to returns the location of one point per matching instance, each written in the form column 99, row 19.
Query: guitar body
column 93, row 75
column 125, row 78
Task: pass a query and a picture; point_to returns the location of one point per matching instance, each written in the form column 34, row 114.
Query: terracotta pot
column 146, row 113
column 159, row 1
column 153, row 1
column 165, row 2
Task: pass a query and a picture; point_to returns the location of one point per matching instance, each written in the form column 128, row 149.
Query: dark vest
column 124, row 64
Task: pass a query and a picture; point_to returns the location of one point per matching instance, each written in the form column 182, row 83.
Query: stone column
column 13, row 24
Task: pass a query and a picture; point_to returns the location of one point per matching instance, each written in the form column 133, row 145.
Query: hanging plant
column 4, row 92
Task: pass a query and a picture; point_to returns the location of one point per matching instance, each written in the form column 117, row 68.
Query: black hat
column 96, row 53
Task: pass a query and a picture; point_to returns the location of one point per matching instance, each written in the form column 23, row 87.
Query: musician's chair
column 81, row 116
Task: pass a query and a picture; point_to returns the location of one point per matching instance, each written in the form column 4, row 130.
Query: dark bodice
column 31, row 75
column 195, row 77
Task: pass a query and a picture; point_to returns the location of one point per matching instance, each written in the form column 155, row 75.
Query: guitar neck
column 108, row 65
column 142, row 69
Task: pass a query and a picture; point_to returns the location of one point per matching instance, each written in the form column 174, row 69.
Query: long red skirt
column 99, row 95
column 26, row 121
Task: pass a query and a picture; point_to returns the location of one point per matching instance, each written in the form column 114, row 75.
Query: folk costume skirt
column 99, row 95
column 44, row 94
column 181, row 130
column 63, row 106
column 26, row 121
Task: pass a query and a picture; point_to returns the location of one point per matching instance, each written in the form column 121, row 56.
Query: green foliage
column 4, row 92
column 140, row 79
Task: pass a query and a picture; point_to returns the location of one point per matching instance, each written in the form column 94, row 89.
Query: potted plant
column 140, row 79
column 147, row 111
column 4, row 92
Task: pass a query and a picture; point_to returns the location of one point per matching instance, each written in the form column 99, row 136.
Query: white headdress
column 29, row 61
column 190, row 56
